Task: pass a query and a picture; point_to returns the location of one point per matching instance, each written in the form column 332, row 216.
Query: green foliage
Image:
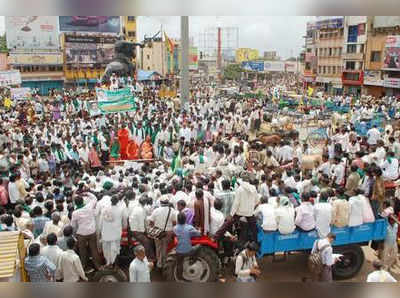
column 3, row 43
column 233, row 72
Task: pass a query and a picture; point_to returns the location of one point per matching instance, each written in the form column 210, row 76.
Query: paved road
column 294, row 269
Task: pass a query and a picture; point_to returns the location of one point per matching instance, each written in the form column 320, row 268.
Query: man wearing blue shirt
column 184, row 233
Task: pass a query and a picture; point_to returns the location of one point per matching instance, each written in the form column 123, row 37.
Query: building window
column 319, row 69
column 351, row 48
column 353, row 33
column 362, row 49
column 330, row 51
column 360, row 65
column 340, row 52
column 324, row 69
column 308, row 66
column 131, row 19
column 329, row 69
column 132, row 33
column 148, row 57
column 333, row 69
column 375, row 56
column 351, row 65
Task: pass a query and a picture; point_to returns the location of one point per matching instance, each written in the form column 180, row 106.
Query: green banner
column 106, row 95
column 116, row 106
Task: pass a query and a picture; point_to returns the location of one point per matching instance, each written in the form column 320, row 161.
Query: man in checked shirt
column 39, row 268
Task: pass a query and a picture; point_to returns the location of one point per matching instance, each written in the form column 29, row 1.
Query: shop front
column 352, row 82
column 392, row 86
column 373, row 83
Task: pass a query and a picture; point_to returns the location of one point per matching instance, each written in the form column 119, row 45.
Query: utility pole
column 184, row 83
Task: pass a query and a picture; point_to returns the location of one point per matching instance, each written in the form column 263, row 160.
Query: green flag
column 115, row 149
column 176, row 162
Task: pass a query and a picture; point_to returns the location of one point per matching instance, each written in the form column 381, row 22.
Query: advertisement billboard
column 10, row 77
column 193, row 58
column 32, row 32
column 392, row 53
column 21, row 93
column 291, row 66
column 253, row 65
column 391, row 83
column 373, row 78
column 36, row 59
column 88, row 49
column 274, row 66
column 103, row 24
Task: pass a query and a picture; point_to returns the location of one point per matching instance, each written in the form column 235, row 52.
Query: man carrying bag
column 161, row 224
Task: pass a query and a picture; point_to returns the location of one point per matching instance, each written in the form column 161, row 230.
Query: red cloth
column 123, row 138
column 132, row 151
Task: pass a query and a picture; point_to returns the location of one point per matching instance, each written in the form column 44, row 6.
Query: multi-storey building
column 310, row 55
column 353, row 53
column 329, row 44
column 383, row 54
column 129, row 25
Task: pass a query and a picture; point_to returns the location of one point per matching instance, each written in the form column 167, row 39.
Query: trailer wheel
column 351, row 262
column 116, row 275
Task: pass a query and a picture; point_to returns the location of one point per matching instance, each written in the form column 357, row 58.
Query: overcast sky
column 283, row 34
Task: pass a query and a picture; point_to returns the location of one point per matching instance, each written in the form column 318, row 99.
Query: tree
column 3, row 43
column 233, row 72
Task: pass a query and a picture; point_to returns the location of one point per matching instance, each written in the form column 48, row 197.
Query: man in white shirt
column 244, row 204
column 380, row 275
column 338, row 172
column 52, row 251
column 323, row 216
column 139, row 269
column 13, row 192
column 285, row 217
column 70, row 266
column 137, row 225
column 164, row 218
column 373, row 135
column 305, row 214
column 390, row 167
column 267, row 213
column 286, row 153
column 324, row 247
column 217, row 217
column 356, row 210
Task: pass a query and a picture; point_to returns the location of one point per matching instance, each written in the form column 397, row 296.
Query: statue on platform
column 122, row 64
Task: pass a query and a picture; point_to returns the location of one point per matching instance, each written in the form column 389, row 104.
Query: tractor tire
column 351, row 263
column 110, row 275
column 205, row 269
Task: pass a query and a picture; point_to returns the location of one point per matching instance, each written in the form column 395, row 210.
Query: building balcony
column 352, row 77
column 353, row 56
column 42, row 75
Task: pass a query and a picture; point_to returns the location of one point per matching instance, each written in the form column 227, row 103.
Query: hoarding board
column 36, row 59
column 101, row 24
column 274, row 66
column 21, row 93
column 392, row 53
column 391, row 83
column 193, row 59
column 373, row 78
column 11, row 77
column 32, row 32
column 253, row 65
column 89, row 49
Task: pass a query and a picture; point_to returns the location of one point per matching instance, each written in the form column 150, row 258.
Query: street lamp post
column 184, row 83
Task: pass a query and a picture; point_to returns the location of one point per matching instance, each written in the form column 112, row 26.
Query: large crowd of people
column 73, row 182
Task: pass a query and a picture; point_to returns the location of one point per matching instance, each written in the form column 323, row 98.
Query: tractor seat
column 390, row 184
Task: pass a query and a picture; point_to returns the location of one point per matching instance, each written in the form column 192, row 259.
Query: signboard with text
column 32, row 32
column 100, row 24
column 392, row 53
